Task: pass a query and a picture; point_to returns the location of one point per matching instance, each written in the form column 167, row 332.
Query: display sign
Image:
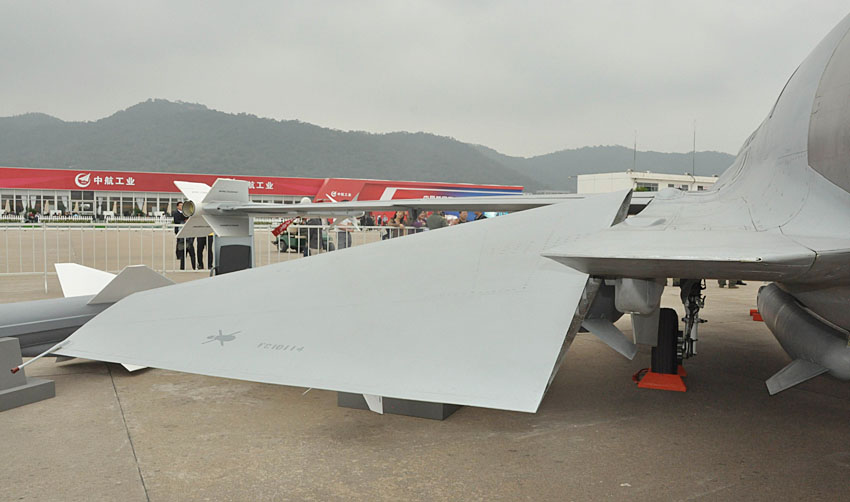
column 126, row 181
column 320, row 189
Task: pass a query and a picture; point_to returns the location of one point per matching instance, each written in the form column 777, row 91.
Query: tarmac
column 158, row 435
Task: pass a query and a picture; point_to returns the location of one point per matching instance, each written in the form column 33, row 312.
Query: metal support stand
column 233, row 253
column 15, row 388
column 419, row 409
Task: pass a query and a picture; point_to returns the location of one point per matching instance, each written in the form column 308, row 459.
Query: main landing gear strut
column 673, row 345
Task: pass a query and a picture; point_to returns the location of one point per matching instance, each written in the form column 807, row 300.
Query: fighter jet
column 483, row 314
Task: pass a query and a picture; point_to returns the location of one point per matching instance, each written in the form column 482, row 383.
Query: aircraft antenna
column 634, row 154
column 694, row 151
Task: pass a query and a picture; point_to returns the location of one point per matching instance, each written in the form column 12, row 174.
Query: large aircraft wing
column 484, row 203
column 471, row 314
column 225, row 209
column 718, row 253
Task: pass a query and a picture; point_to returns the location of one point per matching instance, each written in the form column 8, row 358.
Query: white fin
column 227, row 190
column 195, row 226
column 230, row 226
column 797, row 371
column 77, row 280
column 131, row 280
column 375, row 403
column 196, row 192
column 132, row 367
column 611, row 335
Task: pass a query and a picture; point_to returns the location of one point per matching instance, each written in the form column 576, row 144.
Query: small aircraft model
column 470, row 317
column 42, row 325
column 225, row 208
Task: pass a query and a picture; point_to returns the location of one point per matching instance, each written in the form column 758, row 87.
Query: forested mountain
column 160, row 135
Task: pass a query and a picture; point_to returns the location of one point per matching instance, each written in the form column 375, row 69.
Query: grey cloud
column 522, row 78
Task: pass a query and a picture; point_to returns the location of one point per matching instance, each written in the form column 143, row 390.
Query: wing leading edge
column 469, row 315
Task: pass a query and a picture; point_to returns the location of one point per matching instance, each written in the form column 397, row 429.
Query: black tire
column 664, row 355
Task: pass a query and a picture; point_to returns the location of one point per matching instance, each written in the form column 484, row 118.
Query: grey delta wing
column 471, row 314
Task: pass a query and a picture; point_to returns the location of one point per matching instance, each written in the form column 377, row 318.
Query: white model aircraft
column 225, row 208
column 483, row 314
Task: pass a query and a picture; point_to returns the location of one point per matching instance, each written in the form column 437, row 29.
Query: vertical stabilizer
column 196, row 192
column 227, row 190
column 131, row 280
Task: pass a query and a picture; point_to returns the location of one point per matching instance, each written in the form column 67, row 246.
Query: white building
column 641, row 181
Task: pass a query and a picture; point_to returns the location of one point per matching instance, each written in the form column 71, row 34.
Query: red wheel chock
column 663, row 381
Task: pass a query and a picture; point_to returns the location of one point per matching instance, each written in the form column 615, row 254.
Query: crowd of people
column 307, row 236
column 424, row 220
column 400, row 224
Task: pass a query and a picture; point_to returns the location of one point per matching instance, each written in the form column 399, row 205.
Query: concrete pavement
column 162, row 436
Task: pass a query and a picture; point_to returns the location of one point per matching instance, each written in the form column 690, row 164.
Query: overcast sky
column 525, row 78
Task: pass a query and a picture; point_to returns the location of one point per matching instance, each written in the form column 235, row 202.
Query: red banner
column 125, row 181
column 321, row 189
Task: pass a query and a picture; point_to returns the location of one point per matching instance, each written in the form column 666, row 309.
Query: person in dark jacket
column 205, row 242
column 184, row 245
column 315, row 240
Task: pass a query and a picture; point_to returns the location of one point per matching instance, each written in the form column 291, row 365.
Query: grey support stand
column 234, row 253
column 420, row 409
column 16, row 389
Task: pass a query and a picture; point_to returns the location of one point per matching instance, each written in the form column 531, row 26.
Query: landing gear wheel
column 665, row 357
column 665, row 373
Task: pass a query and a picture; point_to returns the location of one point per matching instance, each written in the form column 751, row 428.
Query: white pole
column 36, row 358
column 44, row 246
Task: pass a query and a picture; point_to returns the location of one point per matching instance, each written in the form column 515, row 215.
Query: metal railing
column 33, row 248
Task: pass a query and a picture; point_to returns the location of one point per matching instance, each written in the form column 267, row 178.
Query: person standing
column 315, row 237
column 184, row 245
column 205, row 242
column 420, row 224
column 435, row 221
column 397, row 223
column 343, row 234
